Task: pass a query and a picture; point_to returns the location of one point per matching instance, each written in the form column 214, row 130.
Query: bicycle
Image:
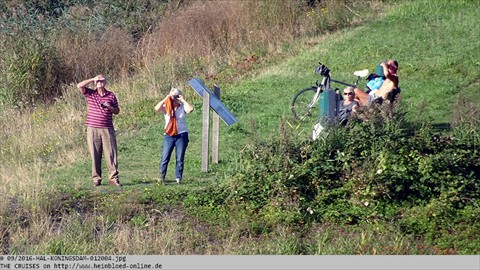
column 304, row 102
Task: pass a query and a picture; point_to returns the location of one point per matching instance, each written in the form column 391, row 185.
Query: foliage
column 46, row 45
column 32, row 71
column 383, row 162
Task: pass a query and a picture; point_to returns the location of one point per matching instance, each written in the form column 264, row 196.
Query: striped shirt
column 98, row 117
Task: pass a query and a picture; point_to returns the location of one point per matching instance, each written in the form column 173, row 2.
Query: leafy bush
column 369, row 170
column 31, row 71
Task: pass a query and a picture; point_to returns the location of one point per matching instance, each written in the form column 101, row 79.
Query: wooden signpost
column 211, row 100
column 215, row 128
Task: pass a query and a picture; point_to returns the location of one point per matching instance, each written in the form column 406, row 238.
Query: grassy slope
column 437, row 44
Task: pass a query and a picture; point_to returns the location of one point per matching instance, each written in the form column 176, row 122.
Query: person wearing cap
column 174, row 108
column 102, row 105
column 389, row 85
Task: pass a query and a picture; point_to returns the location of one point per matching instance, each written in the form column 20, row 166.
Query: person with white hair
column 102, row 105
column 347, row 105
column 175, row 108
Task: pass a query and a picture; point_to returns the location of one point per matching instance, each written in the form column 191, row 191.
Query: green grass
column 437, row 45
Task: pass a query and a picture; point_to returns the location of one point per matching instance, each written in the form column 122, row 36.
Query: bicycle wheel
column 304, row 104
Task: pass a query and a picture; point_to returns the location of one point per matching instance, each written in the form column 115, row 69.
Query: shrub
column 31, row 71
column 349, row 173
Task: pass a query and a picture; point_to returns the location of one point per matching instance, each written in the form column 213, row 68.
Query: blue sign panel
column 215, row 102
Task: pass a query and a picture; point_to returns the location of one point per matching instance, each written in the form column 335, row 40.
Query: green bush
column 31, row 71
column 367, row 171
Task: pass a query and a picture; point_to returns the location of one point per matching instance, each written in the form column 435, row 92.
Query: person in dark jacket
column 347, row 105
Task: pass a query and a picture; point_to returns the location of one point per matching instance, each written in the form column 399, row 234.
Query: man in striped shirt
column 102, row 104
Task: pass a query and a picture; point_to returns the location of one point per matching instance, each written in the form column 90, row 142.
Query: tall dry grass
column 188, row 38
column 205, row 38
column 162, row 234
column 93, row 234
column 33, row 142
column 210, row 30
column 86, row 54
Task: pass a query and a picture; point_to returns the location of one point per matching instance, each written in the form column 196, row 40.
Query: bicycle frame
column 346, row 84
column 319, row 88
column 322, row 85
column 359, row 74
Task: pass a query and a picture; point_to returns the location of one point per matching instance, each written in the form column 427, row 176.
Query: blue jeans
column 180, row 142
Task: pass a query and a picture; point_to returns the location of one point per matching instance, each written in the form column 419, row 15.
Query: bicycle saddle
column 361, row 73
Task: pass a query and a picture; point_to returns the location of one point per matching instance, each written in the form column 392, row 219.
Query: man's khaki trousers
column 103, row 140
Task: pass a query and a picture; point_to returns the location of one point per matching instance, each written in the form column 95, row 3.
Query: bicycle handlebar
column 322, row 70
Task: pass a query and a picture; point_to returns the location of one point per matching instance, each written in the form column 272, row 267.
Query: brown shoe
column 97, row 183
column 115, row 182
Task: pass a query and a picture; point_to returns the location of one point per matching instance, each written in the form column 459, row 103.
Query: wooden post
column 205, row 130
column 211, row 100
column 215, row 128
